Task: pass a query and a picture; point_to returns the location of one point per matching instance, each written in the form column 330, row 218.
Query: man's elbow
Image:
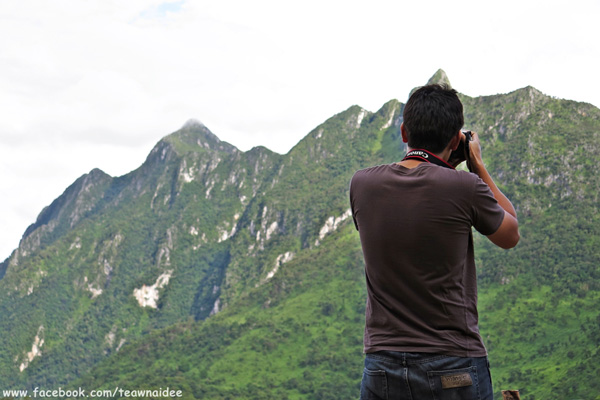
column 510, row 241
column 507, row 236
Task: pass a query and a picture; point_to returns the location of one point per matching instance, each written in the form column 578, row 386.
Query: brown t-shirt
column 415, row 230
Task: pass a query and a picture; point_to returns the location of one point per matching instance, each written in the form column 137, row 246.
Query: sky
column 97, row 83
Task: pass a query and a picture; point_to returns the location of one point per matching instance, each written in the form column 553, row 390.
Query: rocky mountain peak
column 440, row 78
column 194, row 135
column 74, row 202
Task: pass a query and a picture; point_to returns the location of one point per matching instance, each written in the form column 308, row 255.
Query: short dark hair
column 433, row 115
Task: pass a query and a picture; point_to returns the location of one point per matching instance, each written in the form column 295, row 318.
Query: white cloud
column 87, row 84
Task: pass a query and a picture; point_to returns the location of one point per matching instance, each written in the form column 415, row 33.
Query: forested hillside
column 231, row 274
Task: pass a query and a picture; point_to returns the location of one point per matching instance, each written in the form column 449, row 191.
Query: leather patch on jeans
column 456, row 380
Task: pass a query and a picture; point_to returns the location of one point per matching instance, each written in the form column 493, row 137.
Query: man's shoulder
column 371, row 171
column 454, row 175
column 451, row 182
column 444, row 176
column 374, row 168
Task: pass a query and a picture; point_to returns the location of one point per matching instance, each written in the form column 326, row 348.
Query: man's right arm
column 507, row 235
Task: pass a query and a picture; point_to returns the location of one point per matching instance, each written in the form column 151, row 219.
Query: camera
column 462, row 151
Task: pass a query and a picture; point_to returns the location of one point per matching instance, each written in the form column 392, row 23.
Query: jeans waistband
column 408, row 358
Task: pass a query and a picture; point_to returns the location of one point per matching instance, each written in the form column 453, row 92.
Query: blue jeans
column 391, row 375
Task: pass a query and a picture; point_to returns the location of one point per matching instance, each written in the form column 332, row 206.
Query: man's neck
column 410, row 164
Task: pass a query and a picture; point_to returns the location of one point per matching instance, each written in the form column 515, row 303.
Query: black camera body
column 462, row 151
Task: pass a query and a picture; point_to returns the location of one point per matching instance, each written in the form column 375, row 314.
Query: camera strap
column 427, row 156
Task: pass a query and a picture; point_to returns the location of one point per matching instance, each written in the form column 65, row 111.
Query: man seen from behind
column 415, row 220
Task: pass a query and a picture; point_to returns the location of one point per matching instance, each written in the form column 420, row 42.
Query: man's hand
column 475, row 160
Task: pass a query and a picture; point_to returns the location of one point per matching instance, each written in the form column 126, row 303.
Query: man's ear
column 455, row 141
column 404, row 134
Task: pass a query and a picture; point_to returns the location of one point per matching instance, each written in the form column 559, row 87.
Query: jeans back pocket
column 374, row 385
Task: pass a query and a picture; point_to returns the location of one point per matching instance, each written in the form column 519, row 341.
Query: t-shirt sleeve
column 487, row 213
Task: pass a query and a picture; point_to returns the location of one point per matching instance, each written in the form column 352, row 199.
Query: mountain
column 230, row 274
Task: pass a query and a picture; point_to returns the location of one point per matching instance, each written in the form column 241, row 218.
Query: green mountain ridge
column 230, row 274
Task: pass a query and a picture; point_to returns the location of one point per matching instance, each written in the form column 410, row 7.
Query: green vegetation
column 281, row 341
column 265, row 295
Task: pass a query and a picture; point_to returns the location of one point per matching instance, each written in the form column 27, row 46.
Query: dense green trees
column 264, row 241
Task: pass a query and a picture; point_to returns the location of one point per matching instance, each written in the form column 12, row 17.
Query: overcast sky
column 95, row 84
